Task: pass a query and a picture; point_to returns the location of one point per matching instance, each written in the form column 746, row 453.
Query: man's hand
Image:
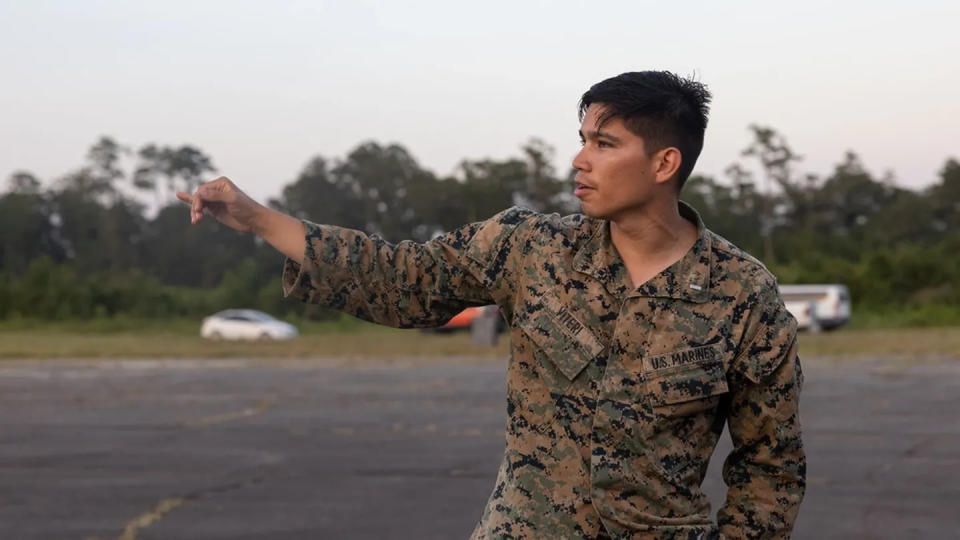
column 232, row 207
column 223, row 200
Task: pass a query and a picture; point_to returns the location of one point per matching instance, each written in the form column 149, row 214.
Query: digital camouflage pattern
column 616, row 395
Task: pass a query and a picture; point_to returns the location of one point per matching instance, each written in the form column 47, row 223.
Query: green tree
column 776, row 160
column 726, row 210
column 382, row 177
column 186, row 255
column 542, row 191
column 945, row 197
column 488, row 186
column 26, row 228
column 850, row 209
column 166, row 169
column 319, row 196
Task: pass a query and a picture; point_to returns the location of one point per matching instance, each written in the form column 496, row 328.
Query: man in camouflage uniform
column 636, row 332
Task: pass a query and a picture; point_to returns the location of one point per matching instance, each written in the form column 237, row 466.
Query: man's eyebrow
column 598, row 134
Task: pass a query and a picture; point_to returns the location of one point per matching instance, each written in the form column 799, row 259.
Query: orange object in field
column 464, row 318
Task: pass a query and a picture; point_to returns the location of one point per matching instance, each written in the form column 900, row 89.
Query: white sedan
column 234, row 324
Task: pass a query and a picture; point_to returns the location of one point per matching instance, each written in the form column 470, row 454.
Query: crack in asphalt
column 165, row 506
column 148, row 518
column 256, row 409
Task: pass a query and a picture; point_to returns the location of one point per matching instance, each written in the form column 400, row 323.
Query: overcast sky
column 264, row 86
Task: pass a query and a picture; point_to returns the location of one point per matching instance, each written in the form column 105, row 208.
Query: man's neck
column 651, row 239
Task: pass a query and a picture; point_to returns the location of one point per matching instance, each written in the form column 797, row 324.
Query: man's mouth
column 581, row 189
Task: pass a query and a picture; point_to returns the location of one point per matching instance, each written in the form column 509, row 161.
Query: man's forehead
column 599, row 117
column 597, row 122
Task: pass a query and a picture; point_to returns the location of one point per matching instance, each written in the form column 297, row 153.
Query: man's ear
column 666, row 164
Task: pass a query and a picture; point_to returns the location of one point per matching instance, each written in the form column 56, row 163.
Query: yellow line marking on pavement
column 258, row 408
column 149, row 518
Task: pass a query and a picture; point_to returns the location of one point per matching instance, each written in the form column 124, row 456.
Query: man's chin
column 591, row 211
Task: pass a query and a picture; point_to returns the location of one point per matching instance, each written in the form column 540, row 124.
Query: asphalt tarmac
column 216, row 449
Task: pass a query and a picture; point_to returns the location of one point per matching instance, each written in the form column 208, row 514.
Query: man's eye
column 603, row 144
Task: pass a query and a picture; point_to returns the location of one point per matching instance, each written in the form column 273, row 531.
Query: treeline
column 108, row 239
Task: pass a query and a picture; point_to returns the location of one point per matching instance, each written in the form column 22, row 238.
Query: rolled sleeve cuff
column 305, row 282
column 296, row 281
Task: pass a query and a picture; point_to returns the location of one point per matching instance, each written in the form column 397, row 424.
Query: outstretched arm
column 223, row 200
column 407, row 284
column 411, row 284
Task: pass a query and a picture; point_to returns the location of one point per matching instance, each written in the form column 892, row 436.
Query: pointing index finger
column 196, row 208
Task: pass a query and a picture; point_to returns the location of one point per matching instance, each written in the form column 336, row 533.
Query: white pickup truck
column 832, row 307
column 805, row 311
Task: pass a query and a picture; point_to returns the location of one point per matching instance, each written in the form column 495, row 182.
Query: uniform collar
column 687, row 279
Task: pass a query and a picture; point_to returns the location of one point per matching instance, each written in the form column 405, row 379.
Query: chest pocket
column 685, row 389
column 559, row 335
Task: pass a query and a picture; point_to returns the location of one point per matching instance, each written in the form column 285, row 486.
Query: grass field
column 177, row 341
column 351, row 338
column 919, row 342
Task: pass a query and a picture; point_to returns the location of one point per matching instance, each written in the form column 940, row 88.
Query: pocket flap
column 566, row 342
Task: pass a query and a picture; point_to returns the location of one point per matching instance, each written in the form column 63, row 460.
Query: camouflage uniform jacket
column 616, row 394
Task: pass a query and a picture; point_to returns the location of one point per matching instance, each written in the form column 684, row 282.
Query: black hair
column 659, row 106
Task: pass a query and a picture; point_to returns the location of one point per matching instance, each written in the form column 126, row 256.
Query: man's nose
column 580, row 161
